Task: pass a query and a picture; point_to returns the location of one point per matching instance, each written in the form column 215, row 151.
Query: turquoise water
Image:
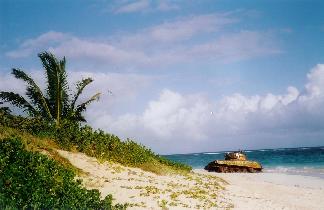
column 303, row 161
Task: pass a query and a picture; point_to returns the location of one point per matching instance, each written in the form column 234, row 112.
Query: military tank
column 234, row 162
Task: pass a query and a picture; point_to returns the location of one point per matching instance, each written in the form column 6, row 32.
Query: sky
column 181, row 76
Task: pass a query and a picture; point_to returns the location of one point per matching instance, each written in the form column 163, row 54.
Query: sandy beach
column 273, row 191
column 199, row 189
column 146, row 190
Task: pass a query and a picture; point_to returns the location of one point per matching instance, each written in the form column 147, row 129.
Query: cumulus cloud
column 315, row 86
column 175, row 123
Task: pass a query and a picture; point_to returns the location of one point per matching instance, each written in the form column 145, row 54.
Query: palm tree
column 55, row 103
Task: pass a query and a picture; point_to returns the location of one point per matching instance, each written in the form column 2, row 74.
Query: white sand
column 145, row 190
column 200, row 189
column 273, row 191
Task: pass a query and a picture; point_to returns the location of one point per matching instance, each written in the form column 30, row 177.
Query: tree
column 55, row 103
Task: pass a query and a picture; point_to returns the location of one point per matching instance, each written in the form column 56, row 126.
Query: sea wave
column 280, row 149
column 308, row 171
column 211, row 153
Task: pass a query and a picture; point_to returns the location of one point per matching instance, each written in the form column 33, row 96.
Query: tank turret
column 235, row 156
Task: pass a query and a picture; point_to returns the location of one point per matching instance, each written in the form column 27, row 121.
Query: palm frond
column 83, row 106
column 34, row 93
column 65, row 86
column 19, row 101
column 80, row 87
column 57, row 86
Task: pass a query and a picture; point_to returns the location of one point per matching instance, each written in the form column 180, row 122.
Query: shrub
column 30, row 180
column 110, row 147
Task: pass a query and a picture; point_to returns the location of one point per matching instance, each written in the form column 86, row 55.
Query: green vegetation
column 163, row 204
column 95, row 143
column 35, row 136
column 30, row 180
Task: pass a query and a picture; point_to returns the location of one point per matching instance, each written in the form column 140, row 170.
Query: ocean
column 307, row 161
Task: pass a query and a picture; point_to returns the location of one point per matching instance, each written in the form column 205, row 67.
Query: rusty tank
column 234, row 162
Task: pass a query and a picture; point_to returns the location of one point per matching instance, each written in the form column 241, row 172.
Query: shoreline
column 286, row 171
column 272, row 190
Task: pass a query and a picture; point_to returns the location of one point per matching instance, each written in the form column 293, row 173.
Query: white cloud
column 29, row 46
column 10, row 83
column 165, row 5
column 102, row 51
column 74, row 47
column 144, row 6
column 158, row 49
column 173, row 112
column 135, row 6
column 116, row 88
column 315, row 86
column 186, row 28
column 170, row 34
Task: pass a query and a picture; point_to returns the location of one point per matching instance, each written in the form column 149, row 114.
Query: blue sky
column 208, row 74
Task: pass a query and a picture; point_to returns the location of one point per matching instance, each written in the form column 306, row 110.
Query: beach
column 199, row 189
column 146, row 190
